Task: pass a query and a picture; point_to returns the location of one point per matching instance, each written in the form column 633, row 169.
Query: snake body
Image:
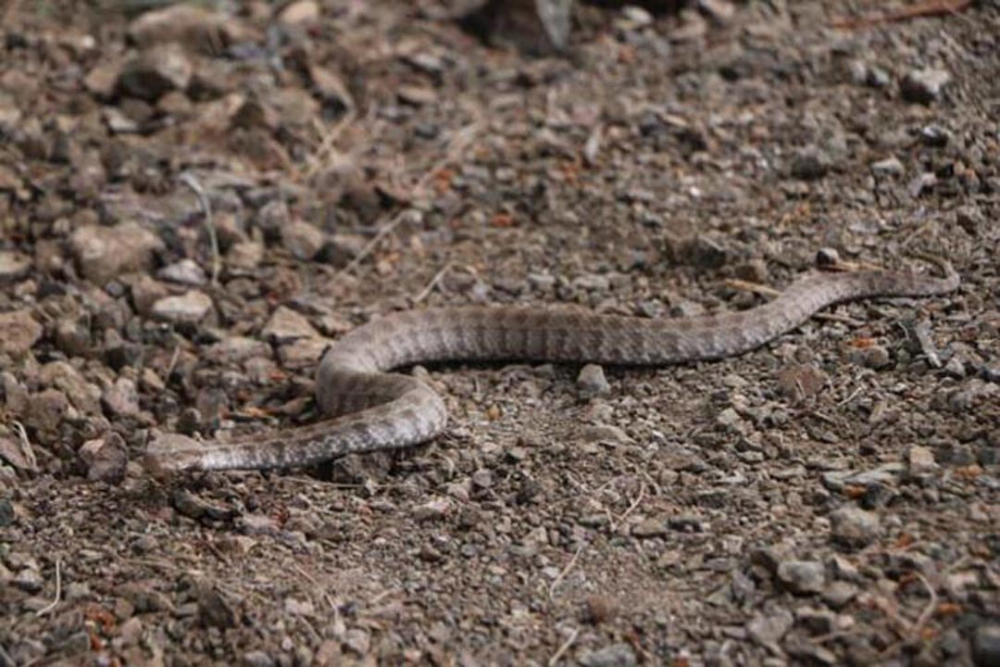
column 369, row 409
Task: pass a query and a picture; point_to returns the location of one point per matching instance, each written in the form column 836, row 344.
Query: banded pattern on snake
column 370, row 409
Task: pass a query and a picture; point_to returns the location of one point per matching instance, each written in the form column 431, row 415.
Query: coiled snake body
column 370, row 409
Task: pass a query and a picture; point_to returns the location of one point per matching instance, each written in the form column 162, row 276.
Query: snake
column 367, row 408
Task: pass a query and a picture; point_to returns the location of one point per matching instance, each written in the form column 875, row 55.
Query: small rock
column 286, row 326
column 302, row 239
column 801, row 381
column 651, row 527
column 185, row 272
column 598, row 609
column 145, row 293
column 986, row 646
column 14, row 454
column 245, row 256
column 357, row 641
column 196, row 28
column 191, row 308
column 802, row 576
column 72, row 336
column 18, row 332
column 122, row 398
column 13, row 265
column 615, row 655
column 106, row 458
column 924, row 86
column 954, row 368
column 434, row 509
column 85, row 396
column 854, row 527
column 768, row 630
column 920, row 461
column 871, row 356
column 891, row 166
column 102, row 253
column 343, row 248
column 44, row 412
column 299, row 13
column 258, row 659
column 592, row 382
column 156, row 72
column 810, row 164
column 839, row 593
column 604, row 433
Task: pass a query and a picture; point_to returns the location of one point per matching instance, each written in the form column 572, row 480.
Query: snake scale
column 369, row 409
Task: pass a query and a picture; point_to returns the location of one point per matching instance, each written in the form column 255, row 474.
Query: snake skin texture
column 369, row 409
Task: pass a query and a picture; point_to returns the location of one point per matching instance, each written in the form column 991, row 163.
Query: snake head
column 171, row 452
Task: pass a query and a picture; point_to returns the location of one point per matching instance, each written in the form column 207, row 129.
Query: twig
column 26, row 450
column 562, row 574
column 326, row 147
column 188, row 179
column 631, row 508
column 425, row 292
column 932, row 604
column 564, row 647
column 926, row 8
column 55, row 601
column 756, row 288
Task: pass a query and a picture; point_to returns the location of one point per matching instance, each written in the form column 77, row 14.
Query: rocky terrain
column 197, row 198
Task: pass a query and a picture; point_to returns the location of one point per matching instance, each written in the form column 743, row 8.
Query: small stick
column 52, row 605
column 425, row 292
column 188, row 179
column 756, row 288
column 562, row 574
column 554, row 660
column 26, row 450
column 926, row 8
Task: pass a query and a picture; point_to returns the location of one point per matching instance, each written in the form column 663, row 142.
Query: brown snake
column 369, row 409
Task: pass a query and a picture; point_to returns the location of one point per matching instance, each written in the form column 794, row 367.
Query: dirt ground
column 194, row 202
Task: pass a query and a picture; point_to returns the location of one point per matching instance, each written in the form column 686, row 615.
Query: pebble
column 258, row 659
column 924, row 86
column 615, row 655
column 185, row 272
column 839, row 593
column 648, row 528
column 13, row 265
column 853, row 527
column 299, row 13
column 592, row 382
column 891, row 166
column 122, row 398
column 802, row 381
column 85, row 396
column 986, row 646
column 103, row 253
column 302, row 240
column 286, row 325
column 189, row 308
column 156, row 72
column 802, row 576
column 106, row 458
column 811, row 164
column 19, row 332
column 873, row 356
column 920, row 461
column 196, row 28
column 768, row 630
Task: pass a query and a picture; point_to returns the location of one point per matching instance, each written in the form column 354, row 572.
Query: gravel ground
column 193, row 204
